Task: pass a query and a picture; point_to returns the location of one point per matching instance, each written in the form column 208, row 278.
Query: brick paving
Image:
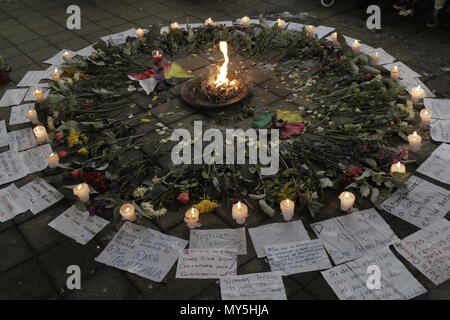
column 35, row 257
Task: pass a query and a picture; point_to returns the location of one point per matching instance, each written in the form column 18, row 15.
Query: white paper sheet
column 385, row 58
column 22, row 139
column 437, row 166
column 364, row 47
column 145, row 252
column 440, row 130
column 415, row 82
column 440, row 108
column 405, row 71
column 30, row 97
column 78, row 225
column 274, row 233
column 291, row 26
column 207, row 263
column 57, row 60
column 120, row 37
column 35, row 159
column 87, row 51
column 219, row 239
column 224, row 23
column 421, row 204
column 18, row 113
column 4, row 137
column 429, row 251
column 354, row 235
column 322, row 31
column 11, row 167
column 32, row 78
column 349, row 280
column 251, row 21
column 13, row 201
column 255, row 286
column 297, row 257
column 12, row 97
column 41, row 195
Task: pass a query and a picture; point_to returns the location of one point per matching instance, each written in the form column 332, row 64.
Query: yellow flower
column 84, row 138
column 73, row 138
column 83, row 151
column 205, row 206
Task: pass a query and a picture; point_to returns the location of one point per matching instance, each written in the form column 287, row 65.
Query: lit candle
column 239, row 212
column 32, row 116
column 53, row 160
column 334, row 38
column 127, row 211
column 398, row 167
column 56, row 75
column 425, row 116
column 191, row 218
column 67, row 56
column 82, row 192
column 375, row 58
column 157, row 55
column 208, row 22
column 287, row 209
column 280, row 23
column 356, row 47
column 41, row 135
column 311, row 30
column 38, row 95
column 140, row 33
column 245, row 21
column 174, row 25
column 347, row 200
column 395, row 73
column 415, row 141
column 417, row 94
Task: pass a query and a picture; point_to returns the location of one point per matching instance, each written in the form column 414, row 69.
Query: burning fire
column 221, row 80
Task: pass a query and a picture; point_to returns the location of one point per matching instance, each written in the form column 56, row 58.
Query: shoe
column 400, row 4
column 436, row 18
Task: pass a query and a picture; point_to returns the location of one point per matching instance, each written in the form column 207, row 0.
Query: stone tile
column 43, row 54
column 320, row 289
column 14, row 249
column 211, row 293
column 6, row 225
column 26, row 281
column 192, row 62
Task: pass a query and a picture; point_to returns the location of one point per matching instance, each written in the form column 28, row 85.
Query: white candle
column 425, row 116
column 239, row 212
column 32, row 116
column 245, row 21
column 417, row 94
column 347, row 200
column 395, row 73
column 128, row 212
column 56, row 75
column 82, row 192
column 41, row 135
column 356, row 47
column 140, row 33
column 208, row 22
column 38, row 95
column 67, row 56
column 311, row 30
column 334, row 38
column 280, row 23
column 287, row 209
column 53, row 160
column 191, row 218
column 375, row 58
column 415, row 141
column 174, row 25
column 398, row 167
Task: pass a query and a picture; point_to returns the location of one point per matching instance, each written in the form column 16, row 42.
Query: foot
column 436, row 18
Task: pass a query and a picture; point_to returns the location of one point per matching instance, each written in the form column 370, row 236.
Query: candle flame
column 239, row 205
column 280, row 23
column 174, row 25
column 208, row 21
column 395, row 68
column 346, row 195
column 398, row 164
column 415, row 134
column 79, row 187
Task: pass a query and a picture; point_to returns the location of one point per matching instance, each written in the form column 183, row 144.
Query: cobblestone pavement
column 34, row 257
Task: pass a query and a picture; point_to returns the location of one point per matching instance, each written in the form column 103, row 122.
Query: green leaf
column 266, row 208
column 264, row 121
column 371, row 162
column 374, row 196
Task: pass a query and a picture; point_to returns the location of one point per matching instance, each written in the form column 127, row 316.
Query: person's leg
column 438, row 13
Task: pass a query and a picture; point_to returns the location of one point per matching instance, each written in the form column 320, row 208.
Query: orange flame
column 222, row 76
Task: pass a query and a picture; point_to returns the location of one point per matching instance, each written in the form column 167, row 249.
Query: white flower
column 139, row 192
column 50, row 123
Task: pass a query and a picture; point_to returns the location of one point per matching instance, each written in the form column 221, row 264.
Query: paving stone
column 192, row 62
column 6, row 225
column 26, row 281
column 320, row 289
column 14, row 249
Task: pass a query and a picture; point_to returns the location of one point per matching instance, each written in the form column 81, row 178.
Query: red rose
column 62, row 154
column 354, row 171
column 76, row 173
column 183, row 197
column 59, row 135
column 338, row 56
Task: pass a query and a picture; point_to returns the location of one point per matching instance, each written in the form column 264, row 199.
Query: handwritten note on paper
column 429, row 251
column 420, row 204
column 354, row 235
column 12, row 202
column 35, row 159
column 349, row 280
column 18, row 113
column 219, row 239
column 405, row 71
column 207, row 263
column 437, row 166
column 440, row 108
column 440, row 130
column 41, row 195
column 297, row 257
column 415, row 82
column 11, row 167
column 277, row 233
column 255, row 286
column 22, row 139
column 322, row 31
column 32, row 78
column 78, row 225
column 145, row 252
column 292, row 26
column 385, row 58
column 13, row 97
column 120, row 37
column 4, row 138
column 86, row 51
column 57, row 59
